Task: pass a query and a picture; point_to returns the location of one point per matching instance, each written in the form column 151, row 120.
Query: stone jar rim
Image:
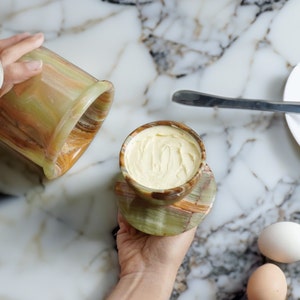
column 164, row 196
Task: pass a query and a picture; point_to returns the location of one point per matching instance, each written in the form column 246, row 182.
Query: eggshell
column 281, row 242
column 267, row 282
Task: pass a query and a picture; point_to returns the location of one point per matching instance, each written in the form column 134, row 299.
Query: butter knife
column 194, row 98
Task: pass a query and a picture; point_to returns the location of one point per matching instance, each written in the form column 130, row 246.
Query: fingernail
column 34, row 65
column 39, row 35
column 39, row 39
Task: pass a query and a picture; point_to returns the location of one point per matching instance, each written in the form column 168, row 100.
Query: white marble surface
column 55, row 236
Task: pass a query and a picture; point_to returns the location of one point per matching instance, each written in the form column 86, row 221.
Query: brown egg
column 267, row 282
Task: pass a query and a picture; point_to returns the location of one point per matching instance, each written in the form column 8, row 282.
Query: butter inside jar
column 162, row 157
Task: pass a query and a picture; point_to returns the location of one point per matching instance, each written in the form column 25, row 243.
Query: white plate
column 292, row 93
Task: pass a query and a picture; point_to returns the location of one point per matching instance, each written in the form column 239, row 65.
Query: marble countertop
column 56, row 240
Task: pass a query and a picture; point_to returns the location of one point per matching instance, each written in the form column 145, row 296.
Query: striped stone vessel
column 170, row 211
column 52, row 118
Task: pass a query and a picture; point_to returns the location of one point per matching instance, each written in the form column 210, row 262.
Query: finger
column 21, row 71
column 121, row 221
column 6, row 88
column 125, row 226
column 1, row 75
column 14, row 52
column 4, row 43
column 186, row 238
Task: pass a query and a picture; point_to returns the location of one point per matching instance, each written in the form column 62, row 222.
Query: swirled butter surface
column 162, row 157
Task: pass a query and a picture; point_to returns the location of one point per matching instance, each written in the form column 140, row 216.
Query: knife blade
column 195, row 98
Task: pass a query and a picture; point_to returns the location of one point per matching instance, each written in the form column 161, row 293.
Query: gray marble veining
column 58, row 234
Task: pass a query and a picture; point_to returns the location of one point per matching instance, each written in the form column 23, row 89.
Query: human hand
column 140, row 252
column 148, row 264
column 13, row 48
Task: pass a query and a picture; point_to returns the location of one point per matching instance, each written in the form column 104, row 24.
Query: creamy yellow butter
column 162, row 157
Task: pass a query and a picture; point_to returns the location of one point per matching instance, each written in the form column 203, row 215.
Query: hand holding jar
column 13, row 71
